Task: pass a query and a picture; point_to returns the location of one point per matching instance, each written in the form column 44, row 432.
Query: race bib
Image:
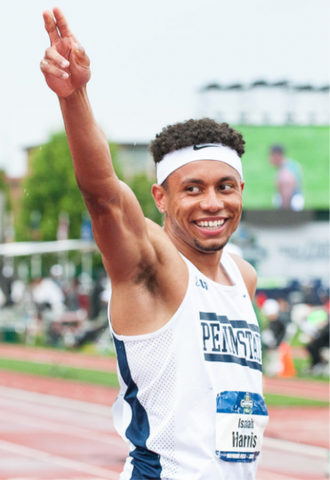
column 240, row 423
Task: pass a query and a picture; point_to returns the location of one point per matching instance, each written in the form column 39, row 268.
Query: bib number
column 241, row 419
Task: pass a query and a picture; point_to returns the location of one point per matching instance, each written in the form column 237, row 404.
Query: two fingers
column 56, row 25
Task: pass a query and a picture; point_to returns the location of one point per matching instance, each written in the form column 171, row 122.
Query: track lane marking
column 102, row 410
column 54, row 401
column 108, row 438
column 58, row 460
column 39, row 478
column 265, row 475
column 300, row 448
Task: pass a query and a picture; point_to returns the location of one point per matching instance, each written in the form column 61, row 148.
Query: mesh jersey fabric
column 166, row 407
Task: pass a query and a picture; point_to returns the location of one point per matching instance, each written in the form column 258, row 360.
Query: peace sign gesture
column 65, row 64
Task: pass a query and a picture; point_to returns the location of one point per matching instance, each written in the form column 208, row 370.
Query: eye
column 225, row 187
column 193, row 189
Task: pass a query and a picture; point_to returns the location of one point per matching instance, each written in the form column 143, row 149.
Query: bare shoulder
column 248, row 273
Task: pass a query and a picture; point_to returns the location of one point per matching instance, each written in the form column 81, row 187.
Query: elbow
column 99, row 195
column 99, row 201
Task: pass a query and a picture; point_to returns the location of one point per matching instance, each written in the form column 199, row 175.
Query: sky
column 149, row 60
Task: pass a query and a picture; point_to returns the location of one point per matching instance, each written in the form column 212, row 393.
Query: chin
column 216, row 247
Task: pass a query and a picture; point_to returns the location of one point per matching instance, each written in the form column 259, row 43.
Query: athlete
column 288, row 180
column 187, row 340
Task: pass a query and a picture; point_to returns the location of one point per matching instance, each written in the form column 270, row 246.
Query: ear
column 159, row 194
column 242, row 186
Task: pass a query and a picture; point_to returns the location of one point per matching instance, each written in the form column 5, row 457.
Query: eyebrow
column 201, row 182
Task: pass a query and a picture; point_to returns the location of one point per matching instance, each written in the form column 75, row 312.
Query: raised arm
column 118, row 223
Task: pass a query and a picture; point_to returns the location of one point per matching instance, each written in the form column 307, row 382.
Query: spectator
column 319, row 322
column 288, row 181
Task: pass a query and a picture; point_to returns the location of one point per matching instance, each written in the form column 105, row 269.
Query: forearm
column 88, row 146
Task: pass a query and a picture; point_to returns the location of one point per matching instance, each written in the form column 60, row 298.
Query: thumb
column 80, row 54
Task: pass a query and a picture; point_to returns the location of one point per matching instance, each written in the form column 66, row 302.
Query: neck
column 206, row 262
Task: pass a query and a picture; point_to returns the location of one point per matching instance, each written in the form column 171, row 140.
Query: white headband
column 209, row 151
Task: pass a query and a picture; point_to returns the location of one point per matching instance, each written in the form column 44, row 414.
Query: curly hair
column 195, row 132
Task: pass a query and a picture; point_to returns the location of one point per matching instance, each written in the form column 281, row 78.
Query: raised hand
column 65, row 64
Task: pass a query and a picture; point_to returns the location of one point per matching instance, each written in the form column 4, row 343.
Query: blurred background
column 263, row 67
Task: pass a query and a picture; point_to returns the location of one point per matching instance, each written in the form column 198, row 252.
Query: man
column 288, row 180
column 187, row 340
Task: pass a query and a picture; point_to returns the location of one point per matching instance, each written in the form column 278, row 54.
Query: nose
column 211, row 201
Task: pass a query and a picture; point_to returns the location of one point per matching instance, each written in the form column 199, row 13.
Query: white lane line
column 107, row 438
column 264, row 475
column 293, row 447
column 96, row 409
column 54, row 401
column 57, row 460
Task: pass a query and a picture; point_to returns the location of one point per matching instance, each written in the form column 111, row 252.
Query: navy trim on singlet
column 146, row 463
column 215, row 357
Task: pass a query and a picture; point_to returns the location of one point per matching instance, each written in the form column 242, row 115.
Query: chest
column 225, row 323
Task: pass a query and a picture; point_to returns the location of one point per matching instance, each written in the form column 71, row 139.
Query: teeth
column 212, row 224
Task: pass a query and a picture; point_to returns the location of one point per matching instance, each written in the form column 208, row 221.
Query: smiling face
column 203, row 205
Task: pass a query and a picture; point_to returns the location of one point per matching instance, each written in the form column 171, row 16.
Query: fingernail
column 65, row 63
column 65, row 75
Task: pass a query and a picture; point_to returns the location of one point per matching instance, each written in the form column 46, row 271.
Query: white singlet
column 190, row 405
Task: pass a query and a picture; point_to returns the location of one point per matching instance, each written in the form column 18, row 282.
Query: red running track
column 282, row 457
column 43, row 437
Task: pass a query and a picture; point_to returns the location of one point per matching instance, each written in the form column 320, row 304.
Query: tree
column 4, row 187
column 141, row 186
column 5, row 207
column 49, row 190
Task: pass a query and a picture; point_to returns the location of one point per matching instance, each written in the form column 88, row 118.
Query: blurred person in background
column 2, row 298
column 96, row 294
column 316, row 328
column 47, row 292
column 17, row 291
column 278, row 334
column 289, row 193
column 274, row 333
column 6, row 280
column 311, row 316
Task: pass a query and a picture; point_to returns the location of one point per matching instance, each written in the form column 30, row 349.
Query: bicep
column 120, row 232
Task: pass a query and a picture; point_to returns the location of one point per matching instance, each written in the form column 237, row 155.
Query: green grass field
column 273, row 400
column 307, row 145
column 110, row 380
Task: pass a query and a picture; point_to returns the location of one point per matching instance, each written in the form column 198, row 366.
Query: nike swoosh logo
column 199, row 147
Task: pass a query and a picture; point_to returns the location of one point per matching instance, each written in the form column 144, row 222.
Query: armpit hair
column 146, row 275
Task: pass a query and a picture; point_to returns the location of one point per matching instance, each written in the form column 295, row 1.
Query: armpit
column 146, row 275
